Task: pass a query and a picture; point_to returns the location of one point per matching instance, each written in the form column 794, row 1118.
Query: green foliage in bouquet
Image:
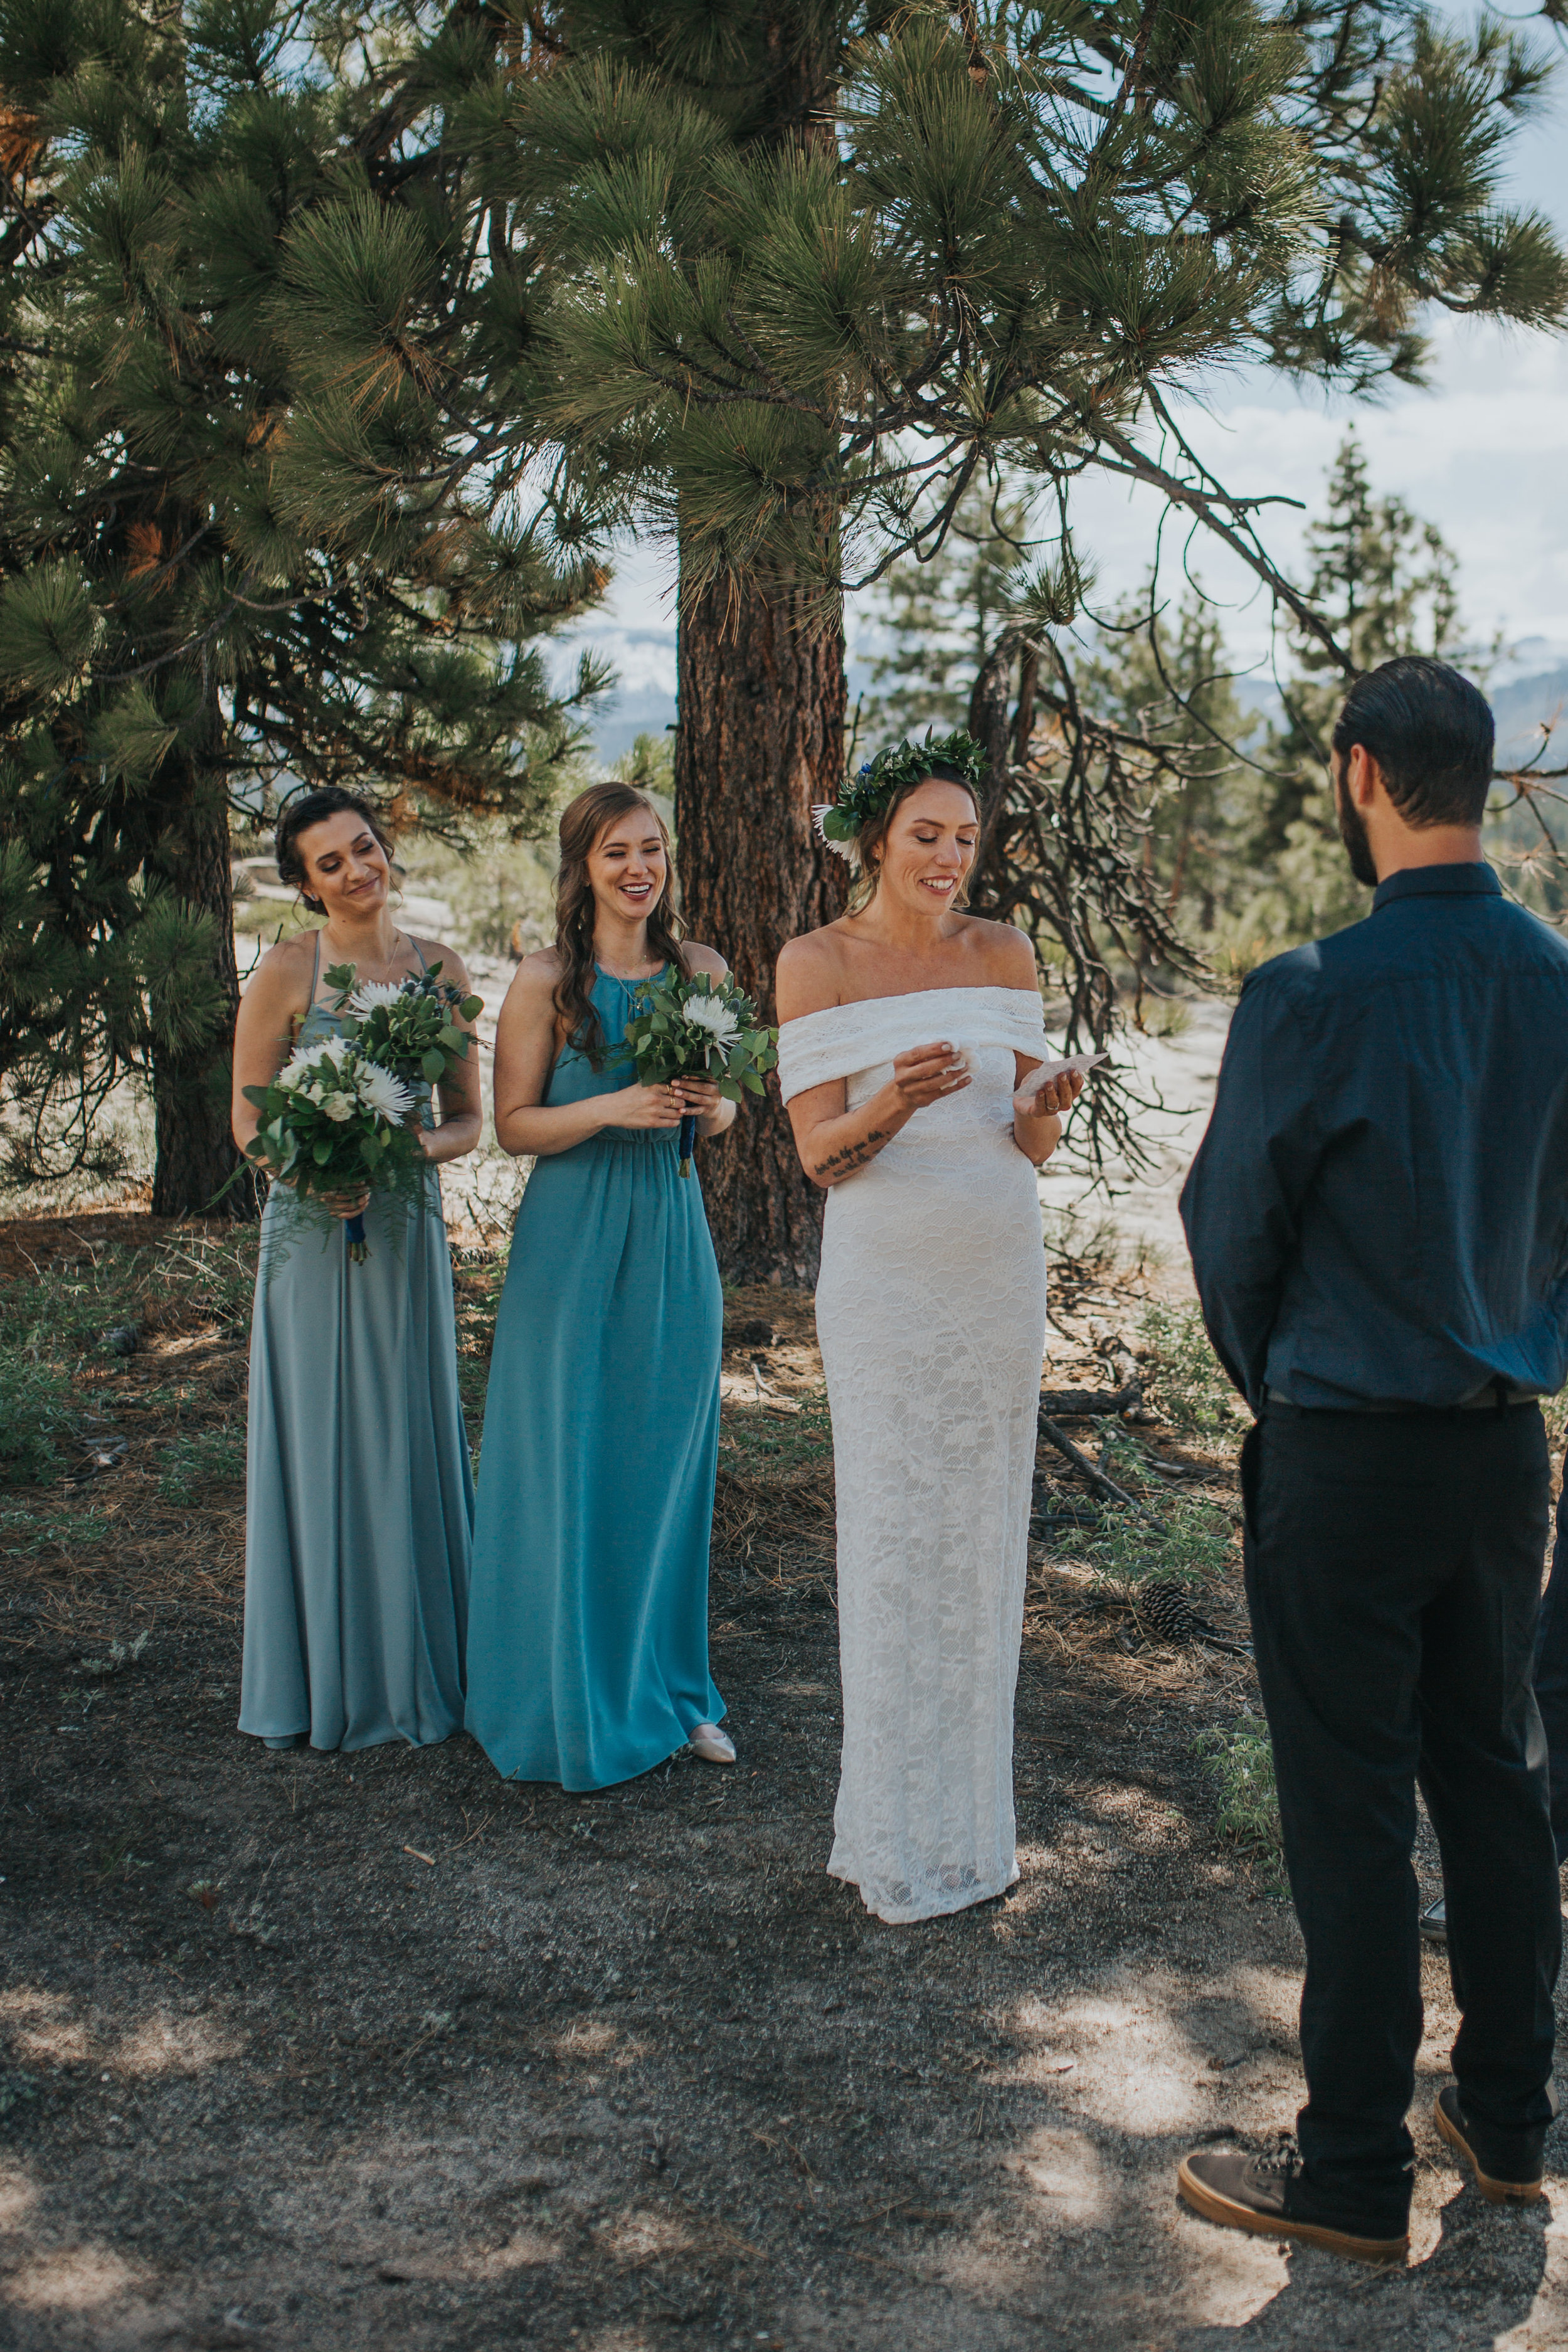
column 691, row 1026
column 407, row 1026
column 333, row 1122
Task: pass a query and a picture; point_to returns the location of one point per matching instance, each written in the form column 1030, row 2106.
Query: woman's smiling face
column 928, row 847
column 628, row 866
column 345, row 865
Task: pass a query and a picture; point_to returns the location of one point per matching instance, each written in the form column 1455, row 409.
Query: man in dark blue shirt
column 1378, row 1219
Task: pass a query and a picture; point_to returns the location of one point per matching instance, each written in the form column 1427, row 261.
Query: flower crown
column 863, row 796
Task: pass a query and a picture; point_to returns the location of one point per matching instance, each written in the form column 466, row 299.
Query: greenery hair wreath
column 863, row 796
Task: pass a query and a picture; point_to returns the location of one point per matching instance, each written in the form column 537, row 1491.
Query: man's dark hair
column 1430, row 731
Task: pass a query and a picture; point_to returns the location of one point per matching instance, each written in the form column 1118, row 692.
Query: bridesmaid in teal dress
column 588, row 1621
column 359, row 1504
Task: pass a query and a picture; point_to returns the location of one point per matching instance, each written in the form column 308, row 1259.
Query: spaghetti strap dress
column 588, row 1623
column 359, row 1495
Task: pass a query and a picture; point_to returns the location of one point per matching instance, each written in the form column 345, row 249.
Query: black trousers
column 1394, row 1577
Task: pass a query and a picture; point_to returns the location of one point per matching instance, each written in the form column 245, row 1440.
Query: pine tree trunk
column 760, row 739
column 195, row 1151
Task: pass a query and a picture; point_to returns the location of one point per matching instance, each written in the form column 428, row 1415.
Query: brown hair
column 307, row 809
column 873, row 833
column 583, row 824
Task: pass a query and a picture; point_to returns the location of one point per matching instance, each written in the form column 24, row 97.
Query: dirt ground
column 315, row 2052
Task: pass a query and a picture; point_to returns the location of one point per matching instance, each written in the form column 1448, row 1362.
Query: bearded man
column 1378, row 1220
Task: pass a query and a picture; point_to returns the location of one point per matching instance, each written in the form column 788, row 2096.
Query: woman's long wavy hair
column 583, row 822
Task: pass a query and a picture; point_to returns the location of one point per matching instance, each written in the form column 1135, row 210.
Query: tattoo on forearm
column 852, row 1155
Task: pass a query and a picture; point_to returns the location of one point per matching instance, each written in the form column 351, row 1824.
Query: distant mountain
column 1523, row 707
column 1520, row 706
column 638, row 711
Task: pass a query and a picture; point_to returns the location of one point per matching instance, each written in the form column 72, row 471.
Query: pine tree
column 823, row 268
column 937, row 620
column 206, row 594
column 791, row 277
column 1165, row 678
column 1387, row 584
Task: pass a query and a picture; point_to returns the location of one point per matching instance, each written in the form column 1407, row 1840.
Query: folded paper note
column 1081, row 1062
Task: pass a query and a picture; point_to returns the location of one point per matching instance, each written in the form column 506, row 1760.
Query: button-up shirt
column 1378, row 1214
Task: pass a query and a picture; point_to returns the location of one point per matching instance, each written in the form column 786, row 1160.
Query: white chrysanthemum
column 334, row 1050
column 712, row 1013
column 382, row 1093
column 339, row 1108
column 372, row 993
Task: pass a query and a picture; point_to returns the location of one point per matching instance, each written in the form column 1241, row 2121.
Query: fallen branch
column 1091, row 1404
column 1095, row 1476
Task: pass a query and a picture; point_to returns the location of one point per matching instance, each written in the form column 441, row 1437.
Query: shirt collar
column 1474, row 879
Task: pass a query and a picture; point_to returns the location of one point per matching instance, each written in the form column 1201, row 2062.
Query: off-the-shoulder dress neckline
column 909, row 995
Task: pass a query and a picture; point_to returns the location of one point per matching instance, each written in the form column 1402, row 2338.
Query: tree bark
column 760, row 739
column 195, row 1151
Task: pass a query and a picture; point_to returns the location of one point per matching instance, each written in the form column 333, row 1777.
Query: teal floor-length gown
column 360, row 1500
column 588, row 1619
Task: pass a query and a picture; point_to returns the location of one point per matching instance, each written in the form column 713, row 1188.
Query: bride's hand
column 1056, row 1098
column 925, row 1074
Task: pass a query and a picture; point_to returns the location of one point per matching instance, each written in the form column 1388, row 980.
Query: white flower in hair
column 382, row 1093
column 845, row 849
column 712, row 1013
column 372, row 993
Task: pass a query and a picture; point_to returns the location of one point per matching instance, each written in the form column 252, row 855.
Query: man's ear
column 1361, row 776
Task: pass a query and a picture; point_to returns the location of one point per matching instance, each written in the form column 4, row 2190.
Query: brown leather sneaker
column 1509, row 2166
column 1268, row 2196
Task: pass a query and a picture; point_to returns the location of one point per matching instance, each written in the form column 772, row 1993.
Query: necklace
column 397, row 944
column 614, row 974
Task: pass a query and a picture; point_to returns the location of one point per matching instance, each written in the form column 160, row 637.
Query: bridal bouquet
column 691, row 1026
column 333, row 1121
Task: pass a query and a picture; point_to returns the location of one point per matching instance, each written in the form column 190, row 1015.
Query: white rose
column 339, row 1108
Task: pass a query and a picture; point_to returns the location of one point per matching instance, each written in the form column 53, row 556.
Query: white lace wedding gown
column 931, row 1313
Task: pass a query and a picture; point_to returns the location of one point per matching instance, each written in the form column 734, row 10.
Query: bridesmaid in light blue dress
column 359, row 1504
column 588, row 1623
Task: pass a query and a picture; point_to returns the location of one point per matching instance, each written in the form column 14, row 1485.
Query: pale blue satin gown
column 588, row 1627
column 359, row 1497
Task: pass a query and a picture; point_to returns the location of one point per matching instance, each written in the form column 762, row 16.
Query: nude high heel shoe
column 714, row 1747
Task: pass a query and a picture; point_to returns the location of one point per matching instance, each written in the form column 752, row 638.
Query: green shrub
column 1241, row 1761
column 36, row 1409
column 1183, row 1380
column 1189, row 1546
column 210, row 1458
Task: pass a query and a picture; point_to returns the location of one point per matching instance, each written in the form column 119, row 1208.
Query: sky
column 1482, row 452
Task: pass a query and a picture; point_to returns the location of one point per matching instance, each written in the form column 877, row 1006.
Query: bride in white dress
column 909, row 1030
